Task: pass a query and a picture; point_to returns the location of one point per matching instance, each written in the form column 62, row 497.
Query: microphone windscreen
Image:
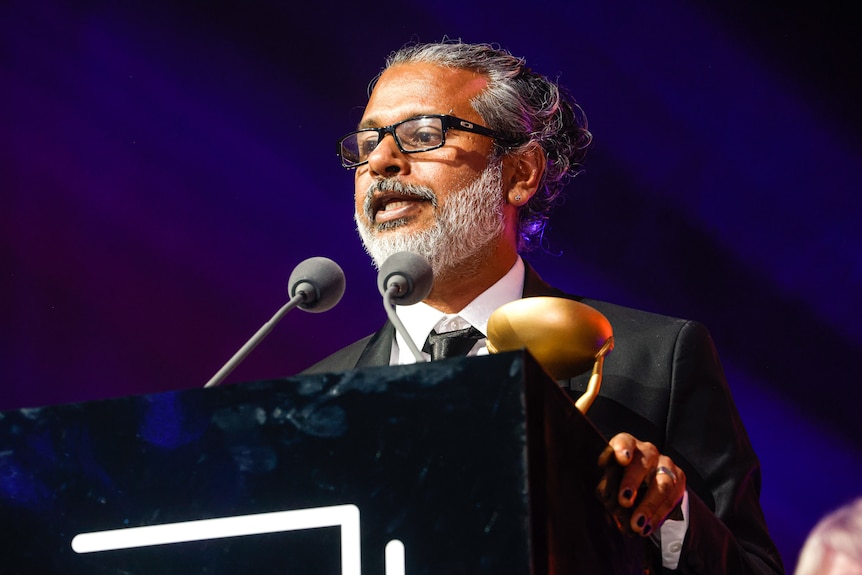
column 321, row 280
column 411, row 272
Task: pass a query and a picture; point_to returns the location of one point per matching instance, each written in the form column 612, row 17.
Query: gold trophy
column 566, row 337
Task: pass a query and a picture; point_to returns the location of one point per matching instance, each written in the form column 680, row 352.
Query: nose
column 386, row 159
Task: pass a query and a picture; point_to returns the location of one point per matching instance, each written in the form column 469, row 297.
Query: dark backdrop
column 164, row 165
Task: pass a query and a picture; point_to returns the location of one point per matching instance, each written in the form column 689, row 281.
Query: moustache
column 394, row 186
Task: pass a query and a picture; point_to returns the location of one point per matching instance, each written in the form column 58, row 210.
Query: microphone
column 320, row 282
column 404, row 278
column 315, row 285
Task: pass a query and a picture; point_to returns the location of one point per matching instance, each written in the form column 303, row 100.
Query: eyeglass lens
column 414, row 135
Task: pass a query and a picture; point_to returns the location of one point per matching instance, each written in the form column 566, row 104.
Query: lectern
column 475, row 465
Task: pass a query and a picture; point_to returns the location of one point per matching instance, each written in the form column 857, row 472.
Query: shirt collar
column 419, row 319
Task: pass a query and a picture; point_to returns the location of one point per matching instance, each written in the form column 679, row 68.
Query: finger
column 624, row 446
column 637, row 473
column 664, row 491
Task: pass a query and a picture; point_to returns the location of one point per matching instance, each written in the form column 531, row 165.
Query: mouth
column 387, row 207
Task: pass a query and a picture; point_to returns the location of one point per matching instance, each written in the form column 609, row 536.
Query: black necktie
column 451, row 343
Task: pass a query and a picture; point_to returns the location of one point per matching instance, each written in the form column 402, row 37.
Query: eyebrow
column 373, row 123
column 367, row 123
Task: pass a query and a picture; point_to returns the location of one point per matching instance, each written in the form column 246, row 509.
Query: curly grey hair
column 526, row 106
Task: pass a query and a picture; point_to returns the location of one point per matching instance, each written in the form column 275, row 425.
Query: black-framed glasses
column 419, row 134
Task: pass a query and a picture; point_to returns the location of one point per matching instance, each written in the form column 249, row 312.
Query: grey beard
column 466, row 229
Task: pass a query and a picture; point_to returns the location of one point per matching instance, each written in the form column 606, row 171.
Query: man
column 460, row 154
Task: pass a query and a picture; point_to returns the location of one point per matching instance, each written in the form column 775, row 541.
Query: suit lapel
column 379, row 349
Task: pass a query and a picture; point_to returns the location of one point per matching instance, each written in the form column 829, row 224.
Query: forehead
column 406, row 90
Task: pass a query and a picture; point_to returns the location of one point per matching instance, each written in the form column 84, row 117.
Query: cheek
column 456, row 183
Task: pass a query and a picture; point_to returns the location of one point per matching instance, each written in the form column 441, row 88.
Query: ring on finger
column 666, row 471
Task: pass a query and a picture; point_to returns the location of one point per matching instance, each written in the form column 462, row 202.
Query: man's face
column 419, row 201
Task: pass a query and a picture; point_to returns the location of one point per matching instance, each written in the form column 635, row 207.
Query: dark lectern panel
column 433, row 456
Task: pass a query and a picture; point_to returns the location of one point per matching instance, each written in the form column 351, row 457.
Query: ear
column 522, row 172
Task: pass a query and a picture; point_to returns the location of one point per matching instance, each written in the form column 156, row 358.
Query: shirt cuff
column 672, row 534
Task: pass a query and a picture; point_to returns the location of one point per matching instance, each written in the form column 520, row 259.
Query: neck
column 452, row 292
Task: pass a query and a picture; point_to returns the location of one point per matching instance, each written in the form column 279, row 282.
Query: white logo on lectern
column 344, row 516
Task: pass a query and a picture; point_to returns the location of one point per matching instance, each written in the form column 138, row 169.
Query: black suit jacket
column 663, row 383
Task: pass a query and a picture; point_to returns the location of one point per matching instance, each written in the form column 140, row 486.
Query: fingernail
column 627, row 493
column 641, row 520
column 645, row 531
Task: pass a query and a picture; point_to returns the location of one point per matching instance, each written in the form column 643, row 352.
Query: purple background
column 164, row 166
